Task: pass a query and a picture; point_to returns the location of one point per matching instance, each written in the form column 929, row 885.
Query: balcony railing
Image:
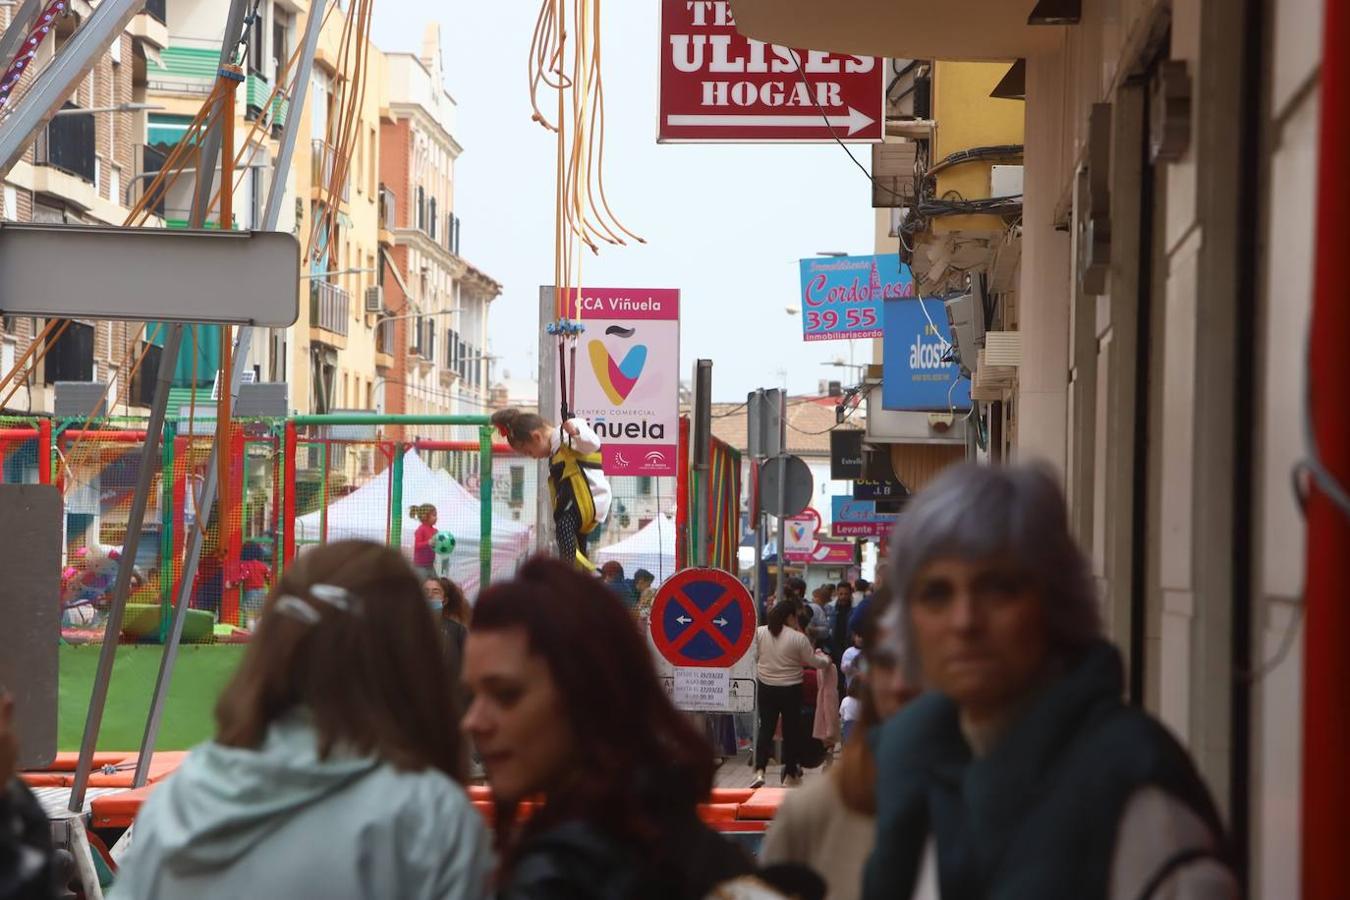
column 67, row 143
column 329, row 307
column 155, row 8
column 323, row 163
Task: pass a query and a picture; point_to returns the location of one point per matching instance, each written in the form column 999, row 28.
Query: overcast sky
column 724, row 224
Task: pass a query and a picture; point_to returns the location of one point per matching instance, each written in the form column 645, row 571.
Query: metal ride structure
column 26, row 116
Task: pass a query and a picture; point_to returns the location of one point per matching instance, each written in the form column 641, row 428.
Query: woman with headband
column 335, row 770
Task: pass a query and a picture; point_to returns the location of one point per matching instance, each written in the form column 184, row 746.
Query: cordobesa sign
column 718, row 85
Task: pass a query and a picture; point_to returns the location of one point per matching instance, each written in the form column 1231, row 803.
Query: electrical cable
column 796, row 58
column 972, row 154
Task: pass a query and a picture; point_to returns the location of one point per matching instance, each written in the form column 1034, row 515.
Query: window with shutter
column 71, row 356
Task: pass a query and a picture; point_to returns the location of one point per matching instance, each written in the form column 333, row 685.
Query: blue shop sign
column 915, row 373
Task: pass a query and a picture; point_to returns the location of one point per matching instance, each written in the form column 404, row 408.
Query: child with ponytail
column 576, row 476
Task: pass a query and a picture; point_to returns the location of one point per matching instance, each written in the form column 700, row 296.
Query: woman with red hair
column 567, row 708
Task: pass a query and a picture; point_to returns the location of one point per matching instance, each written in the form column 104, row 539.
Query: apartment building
column 437, row 302
column 83, row 169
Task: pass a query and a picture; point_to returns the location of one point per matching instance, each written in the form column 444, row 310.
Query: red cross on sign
column 703, row 618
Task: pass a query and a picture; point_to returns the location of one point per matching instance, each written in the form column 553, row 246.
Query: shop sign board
column 628, row 375
column 860, row 518
column 918, row 373
column 842, row 297
column 718, row 85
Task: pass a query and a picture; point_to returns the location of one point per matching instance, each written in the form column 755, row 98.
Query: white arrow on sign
column 684, row 620
column 855, row 121
column 723, row 622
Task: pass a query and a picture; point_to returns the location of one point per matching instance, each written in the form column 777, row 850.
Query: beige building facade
column 1161, row 292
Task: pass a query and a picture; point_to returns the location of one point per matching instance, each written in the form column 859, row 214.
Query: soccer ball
column 443, row 543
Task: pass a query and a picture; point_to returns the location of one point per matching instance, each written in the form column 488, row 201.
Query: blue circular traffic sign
column 703, row 618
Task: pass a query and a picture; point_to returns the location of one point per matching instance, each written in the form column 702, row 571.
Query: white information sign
column 706, row 689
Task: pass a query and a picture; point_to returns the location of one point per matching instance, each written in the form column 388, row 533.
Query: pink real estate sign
column 628, row 375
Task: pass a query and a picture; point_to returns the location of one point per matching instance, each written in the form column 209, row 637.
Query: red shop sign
column 718, row 85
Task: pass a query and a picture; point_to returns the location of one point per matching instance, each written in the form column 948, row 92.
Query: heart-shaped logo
column 617, row 379
column 799, row 532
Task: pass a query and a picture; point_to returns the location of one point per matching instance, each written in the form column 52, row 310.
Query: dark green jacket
column 1038, row 816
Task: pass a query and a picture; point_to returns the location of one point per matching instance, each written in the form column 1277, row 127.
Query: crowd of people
column 983, row 745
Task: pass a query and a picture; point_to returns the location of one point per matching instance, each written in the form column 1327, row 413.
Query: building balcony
column 329, row 307
column 323, row 163
column 905, row 29
column 67, row 144
column 149, row 25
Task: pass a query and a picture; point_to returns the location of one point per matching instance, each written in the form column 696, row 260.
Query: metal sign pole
column 702, row 440
column 548, row 399
column 781, row 462
column 242, row 347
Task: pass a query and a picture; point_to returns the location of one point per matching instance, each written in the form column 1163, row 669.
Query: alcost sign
column 628, row 376
column 717, row 85
column 916, row 375
column 842, row 297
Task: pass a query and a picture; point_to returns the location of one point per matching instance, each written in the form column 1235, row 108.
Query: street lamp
column 336, row 272
column 119, row 108
column 835, row 254
column 434, row 312
column 141, row 176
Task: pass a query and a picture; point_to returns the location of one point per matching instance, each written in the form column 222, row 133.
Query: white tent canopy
column 652, row 548
column 364, row 515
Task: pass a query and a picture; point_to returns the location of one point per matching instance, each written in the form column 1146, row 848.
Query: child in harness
column 576, row 476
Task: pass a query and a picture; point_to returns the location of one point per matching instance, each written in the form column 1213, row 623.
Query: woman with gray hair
column 1021, row 772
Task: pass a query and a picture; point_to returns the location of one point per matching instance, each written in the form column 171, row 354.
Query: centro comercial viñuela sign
column 628, row 375
column 718, row 85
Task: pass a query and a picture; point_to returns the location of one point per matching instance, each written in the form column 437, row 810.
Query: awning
column 166, row 130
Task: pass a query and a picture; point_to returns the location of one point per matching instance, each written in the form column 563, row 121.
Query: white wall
column 1286, row 300
column 1043, row 293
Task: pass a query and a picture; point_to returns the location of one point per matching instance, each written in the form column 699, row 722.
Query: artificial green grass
column 198, row 677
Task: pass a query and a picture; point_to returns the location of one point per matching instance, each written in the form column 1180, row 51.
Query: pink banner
column 628, row 375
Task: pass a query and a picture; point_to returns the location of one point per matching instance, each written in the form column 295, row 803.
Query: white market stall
column 364, row 515
column 651, row 547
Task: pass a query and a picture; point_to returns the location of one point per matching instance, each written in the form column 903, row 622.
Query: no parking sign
column 703, row 627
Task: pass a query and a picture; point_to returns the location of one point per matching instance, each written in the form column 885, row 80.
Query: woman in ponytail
column 576, row 476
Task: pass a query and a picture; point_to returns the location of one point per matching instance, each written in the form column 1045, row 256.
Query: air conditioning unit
column 375, row 299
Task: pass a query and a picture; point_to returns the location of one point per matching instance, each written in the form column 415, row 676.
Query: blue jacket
column 281, row 822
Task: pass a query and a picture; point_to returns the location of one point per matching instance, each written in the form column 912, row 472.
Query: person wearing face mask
column 567, row 708
column 451, row 610
column 829, row 823
column 1022, row 773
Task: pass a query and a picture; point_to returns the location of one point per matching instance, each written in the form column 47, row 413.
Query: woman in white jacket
column 336, row 759
column 782, row 653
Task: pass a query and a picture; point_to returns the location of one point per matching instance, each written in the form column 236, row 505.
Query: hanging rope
column 583, row 218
